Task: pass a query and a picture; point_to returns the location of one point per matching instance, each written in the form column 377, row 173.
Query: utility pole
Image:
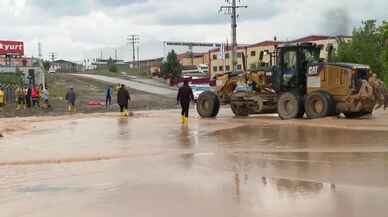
column 41, row 64
column 138, row 59
column 116, row 55
column 231, row 9
column 40, row 50
column 133, row 40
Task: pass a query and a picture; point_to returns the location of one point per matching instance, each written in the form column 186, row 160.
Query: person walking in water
column 184, row 97
column 123, row 99
column 70, row 98
column 108, row 97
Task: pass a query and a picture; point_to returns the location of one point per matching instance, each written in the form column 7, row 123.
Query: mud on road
column 149, row 165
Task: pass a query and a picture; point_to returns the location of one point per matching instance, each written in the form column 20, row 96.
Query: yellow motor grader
column 299, row 83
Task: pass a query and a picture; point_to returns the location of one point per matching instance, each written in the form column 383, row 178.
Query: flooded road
column 149, row 165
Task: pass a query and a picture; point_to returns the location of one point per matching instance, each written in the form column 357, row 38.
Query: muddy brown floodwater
column 149, row 165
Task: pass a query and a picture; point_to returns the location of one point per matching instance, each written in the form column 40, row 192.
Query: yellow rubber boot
column 186, row 120
column 182, row 119
column 69, row 108
column 126, row 113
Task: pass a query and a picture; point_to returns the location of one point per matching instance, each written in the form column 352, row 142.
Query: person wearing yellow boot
column 70, row 98
column 123, row 99
column 184, row 97
column 19, row 93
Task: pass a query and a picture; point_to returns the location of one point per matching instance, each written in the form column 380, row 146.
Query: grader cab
column 299, row 83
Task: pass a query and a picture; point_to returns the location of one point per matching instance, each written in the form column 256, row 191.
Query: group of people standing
column 27, row 97
column 31, row 97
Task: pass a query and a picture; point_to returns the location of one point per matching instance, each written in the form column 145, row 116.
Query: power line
column 231, row 9
column 133, row 40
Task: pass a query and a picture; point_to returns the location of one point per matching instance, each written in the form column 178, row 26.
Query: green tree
column 172, row 67
column 383, row 31
column 365, row 47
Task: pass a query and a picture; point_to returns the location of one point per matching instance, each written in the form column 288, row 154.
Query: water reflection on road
column 152, row 166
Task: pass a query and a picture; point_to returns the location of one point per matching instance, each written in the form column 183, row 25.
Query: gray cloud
column 58, row 8
column 72, row 28
column 61, row 8
column 337, row 21
column 118, row 3
column 209, row 14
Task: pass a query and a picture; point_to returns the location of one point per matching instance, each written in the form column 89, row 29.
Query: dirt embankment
column 87, row 90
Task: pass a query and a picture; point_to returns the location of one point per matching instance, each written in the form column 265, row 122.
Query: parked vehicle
column 198, row 89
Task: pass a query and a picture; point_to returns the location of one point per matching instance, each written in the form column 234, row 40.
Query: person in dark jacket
column 71, row 98
column 28, row 96
column 123, row 99
column 184, row 97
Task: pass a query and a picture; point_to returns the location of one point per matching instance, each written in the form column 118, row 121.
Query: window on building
column 215, row 68
column 261, row 55
column 214, row 56
column 227, row 56
column 239, row 54
column 253, row 53
column 239, row 67
column 227, row 68
column 221, row 68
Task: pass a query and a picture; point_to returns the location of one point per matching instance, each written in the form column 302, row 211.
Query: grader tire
column 208, row 104
column 290, row 106
column 318, row 105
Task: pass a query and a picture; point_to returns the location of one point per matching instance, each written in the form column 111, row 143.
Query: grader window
column 290, row 62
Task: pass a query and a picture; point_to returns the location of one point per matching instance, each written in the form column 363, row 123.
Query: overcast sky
column 78, row 29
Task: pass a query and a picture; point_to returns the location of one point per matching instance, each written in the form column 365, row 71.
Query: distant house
column 105, row 64
column 150, row 66
column 33, row 72
column 64, row 66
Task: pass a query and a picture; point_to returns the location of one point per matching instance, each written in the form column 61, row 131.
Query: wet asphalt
column 150, row 165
